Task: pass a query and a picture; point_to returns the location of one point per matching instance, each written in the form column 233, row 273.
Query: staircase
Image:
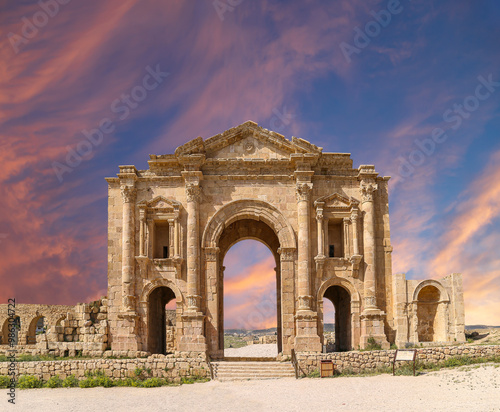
column 245, row 369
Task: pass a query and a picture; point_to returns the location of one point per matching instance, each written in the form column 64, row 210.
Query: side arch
column 339, row 282
column 253, row 209
column 444, row 297
column 155, row 283
column 353, row 333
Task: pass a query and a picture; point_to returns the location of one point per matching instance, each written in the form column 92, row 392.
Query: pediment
column 247, row 141
column 336, row 201
column 161, row 203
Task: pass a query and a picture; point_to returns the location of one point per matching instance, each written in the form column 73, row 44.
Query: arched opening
column 427, row 311
column 328, row 325
column 37, row 326
column 269, row 307
column 341, row 300
column 159, row 320
column 250, row 299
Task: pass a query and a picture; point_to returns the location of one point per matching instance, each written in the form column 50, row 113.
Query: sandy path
column 447, row 390
column 262, row 351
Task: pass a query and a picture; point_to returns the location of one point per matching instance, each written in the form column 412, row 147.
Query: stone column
column 370, row 287
column 193, row 339
column 193, row 194
column 177, row 253
column 142, row 226
column 304, row 218
column 128, row 245
column 355, row 241
column 321, row 237
column 307, row 339
column 171, row 237
column 346, row 221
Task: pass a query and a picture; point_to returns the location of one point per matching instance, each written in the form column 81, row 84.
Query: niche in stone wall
column 335, row 238
column 429, row 324
column 161, row 240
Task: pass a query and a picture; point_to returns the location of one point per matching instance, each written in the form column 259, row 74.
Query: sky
column 410, row 86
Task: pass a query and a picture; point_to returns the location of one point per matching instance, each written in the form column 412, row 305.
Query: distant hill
column 329, row 327
column 469, row 327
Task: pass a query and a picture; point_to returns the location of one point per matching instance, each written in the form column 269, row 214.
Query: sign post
column 409, row 355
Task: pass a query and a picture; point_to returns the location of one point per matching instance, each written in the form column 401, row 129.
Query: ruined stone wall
column 70, row 330
column 29, row 315
column 359, row 361
column 171, row 367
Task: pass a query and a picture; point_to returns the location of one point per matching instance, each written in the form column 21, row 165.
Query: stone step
column 244, row 370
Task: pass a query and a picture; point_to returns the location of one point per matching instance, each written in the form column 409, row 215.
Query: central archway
column 257, row 220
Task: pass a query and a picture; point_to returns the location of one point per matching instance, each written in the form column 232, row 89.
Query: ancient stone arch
column 252, row 209
column 444, row 297
column 323, row 219
column 354, row 309
column 238, row 220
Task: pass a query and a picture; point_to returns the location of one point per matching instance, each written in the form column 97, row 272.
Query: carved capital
column 129, row 194
column 128, row 303
column 287, row 254
column 370, row 302
column 367, row 190
column 193, row 192
column 305, row 302
column 304, row 192
column 354, row 215
column 211, row 254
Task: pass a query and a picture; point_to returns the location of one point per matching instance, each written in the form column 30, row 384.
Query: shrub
column 88, row 383
column 4, row 381
column 54, row 382
column 372, row 344
column 29, row 382
column 70, row 382
column 153, row 383
column 314, row 374
column 127, row 382
column 394, row 346
column 104, row 381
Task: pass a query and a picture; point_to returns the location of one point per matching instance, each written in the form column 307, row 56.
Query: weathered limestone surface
column 359, row 361
column 172, row 367
column 326, row 223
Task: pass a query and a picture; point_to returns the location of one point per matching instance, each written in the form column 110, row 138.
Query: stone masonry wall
column 171, row 367
column 359, row 361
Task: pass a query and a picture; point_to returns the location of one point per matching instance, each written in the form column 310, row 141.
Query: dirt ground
column 468, row 389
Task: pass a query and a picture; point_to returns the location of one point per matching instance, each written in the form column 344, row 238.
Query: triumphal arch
column 326, row 223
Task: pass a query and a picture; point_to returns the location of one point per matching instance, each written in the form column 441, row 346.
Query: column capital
column 193, row 192
column 303, row 191
column 287, row 254
column 129, row 194
column 367, row 190
column 211, row 254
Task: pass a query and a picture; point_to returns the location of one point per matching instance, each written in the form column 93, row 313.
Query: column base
column 192, row 339
column 307, row 339
column 127, row 338
column 372, row 326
